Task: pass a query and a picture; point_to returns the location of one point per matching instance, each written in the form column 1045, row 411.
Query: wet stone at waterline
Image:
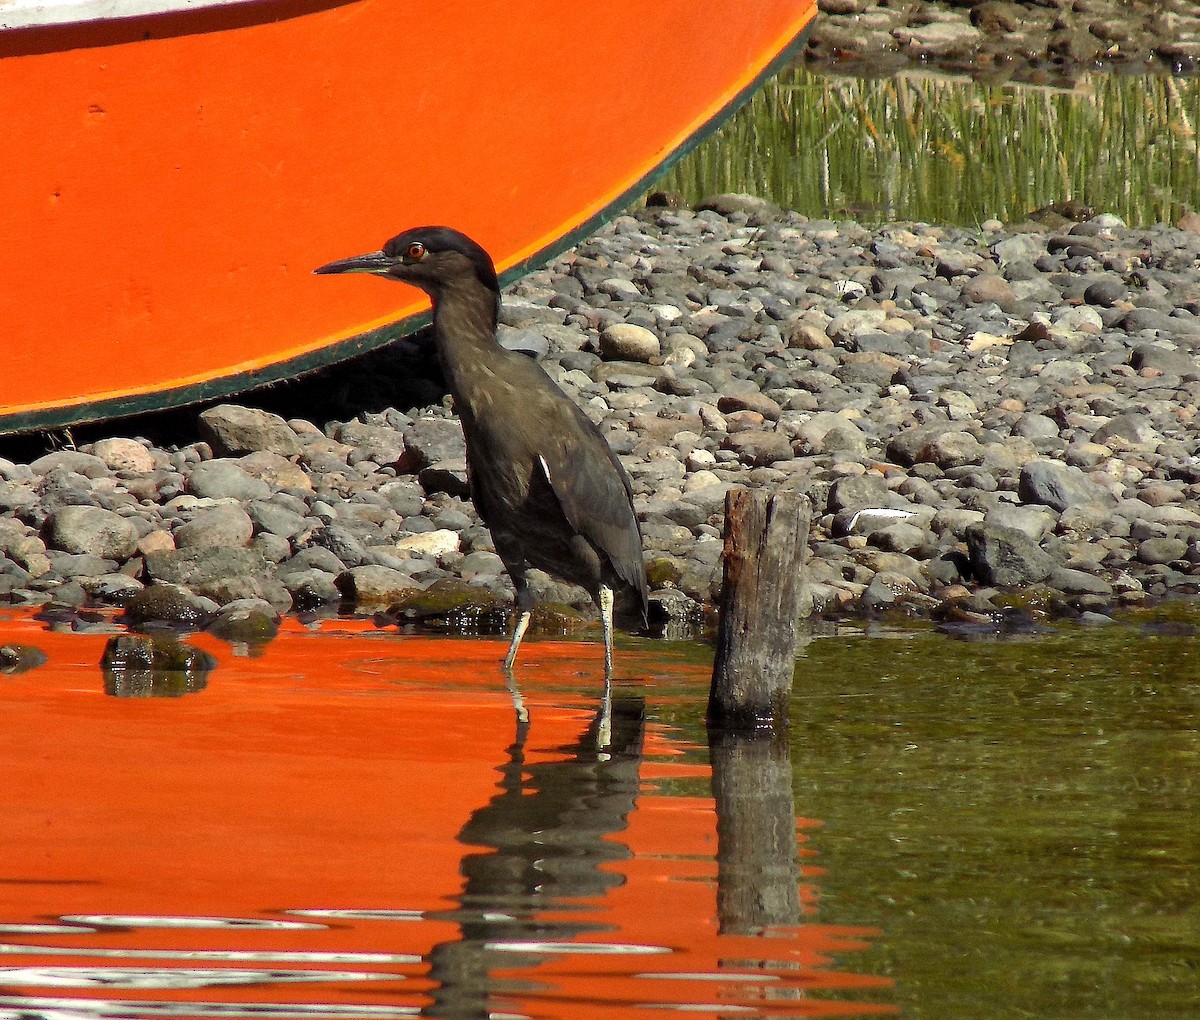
column 20, row 658
column 249, row 622
column 143, row 666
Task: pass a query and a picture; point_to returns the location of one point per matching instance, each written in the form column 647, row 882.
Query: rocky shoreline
column 1044, row 42
column 992, row 424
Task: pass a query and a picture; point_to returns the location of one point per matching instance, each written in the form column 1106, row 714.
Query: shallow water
column 1019, row 817
column 357, row 823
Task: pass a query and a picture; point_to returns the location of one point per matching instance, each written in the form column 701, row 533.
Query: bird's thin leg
column 606, row 622
column 524, row 610
column 518, row 633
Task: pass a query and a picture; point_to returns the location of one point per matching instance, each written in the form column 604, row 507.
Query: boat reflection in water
column 360, row 824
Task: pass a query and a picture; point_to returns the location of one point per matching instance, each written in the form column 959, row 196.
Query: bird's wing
column 545, row 432
column 594, row 492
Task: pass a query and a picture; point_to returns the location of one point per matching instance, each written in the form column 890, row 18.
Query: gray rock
column 344, row 546
column 905, row 446
column 316, row 557
column 1105, row 292
column 434, row 440
column 70, row 592
column 15, row 496
column 273, row 519
column 951, row 450
column 125, row 455
column 854, row 492
column 93, row 531
column 219, row 527
column 232, row 430
column 886, row 589
column 620, row 288
column 111, row 589
column 827, row 433
column 1149, row 319
column 225, row 479
column 1059, row 486
column 1019, row 249
column 1005, row 556
column 382, row 444
column 1165, row 360
column 955, row 521
column 219, row 573
column 758, row 448
column 901, row 537
column 374, row 584
column 1065, row 372
column 404, row 497
column 310, row 588
column 1161, row 550
column 1078, row 582
column 1035, row 427
column 72, row 565
column 1131, row 426
column 272, row 548
column 86, row 464
column 481, row 563
column 448, row 476
column 1034, row 521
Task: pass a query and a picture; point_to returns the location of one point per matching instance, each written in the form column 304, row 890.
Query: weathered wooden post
column 765, row 538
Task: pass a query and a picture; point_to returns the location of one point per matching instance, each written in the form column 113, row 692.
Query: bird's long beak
column 375, row 262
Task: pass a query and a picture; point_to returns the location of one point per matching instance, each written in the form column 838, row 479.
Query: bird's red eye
column 416, row 250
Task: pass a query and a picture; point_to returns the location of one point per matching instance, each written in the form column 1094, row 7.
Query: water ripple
column 231, row 955
column 47, row 1008
column 175, row 921
column 172, row 977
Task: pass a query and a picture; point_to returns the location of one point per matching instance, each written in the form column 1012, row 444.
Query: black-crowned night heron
column 542, row 476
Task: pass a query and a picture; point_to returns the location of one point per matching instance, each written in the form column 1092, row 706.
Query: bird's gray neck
column 464, row 322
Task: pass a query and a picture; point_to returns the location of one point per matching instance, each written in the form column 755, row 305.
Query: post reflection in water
column 757, row 868
column 545, row 838
column 766, row 900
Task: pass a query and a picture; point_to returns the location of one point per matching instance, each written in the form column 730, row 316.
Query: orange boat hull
column 171, row 181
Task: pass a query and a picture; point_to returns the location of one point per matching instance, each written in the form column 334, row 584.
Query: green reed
column 956, row 151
